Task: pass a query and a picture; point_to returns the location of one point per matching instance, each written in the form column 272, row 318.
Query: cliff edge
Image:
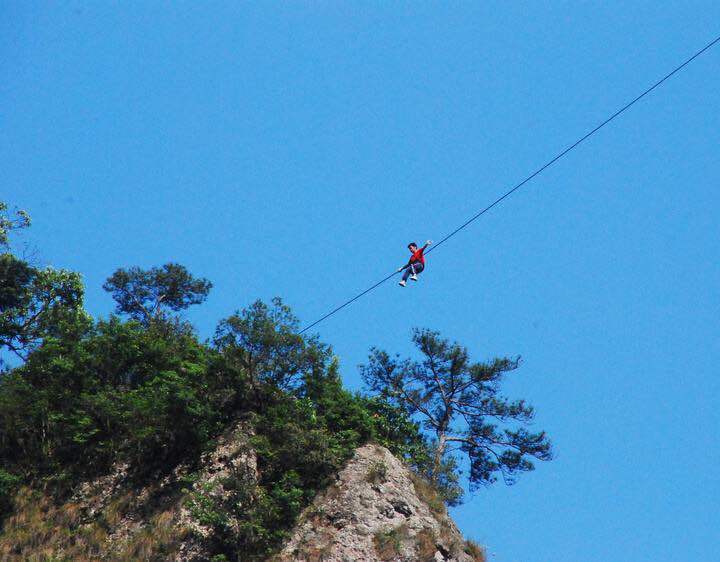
column 377, row 510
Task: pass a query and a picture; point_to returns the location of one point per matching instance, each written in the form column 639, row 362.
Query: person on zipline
column 416, row 263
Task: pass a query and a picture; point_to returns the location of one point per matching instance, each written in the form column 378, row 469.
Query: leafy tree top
column 9, row 223
column 147, row 294
column 35, row 303
column 264, row 342
column 459, row 403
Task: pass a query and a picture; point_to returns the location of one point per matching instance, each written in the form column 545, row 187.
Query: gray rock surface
column 373, row 512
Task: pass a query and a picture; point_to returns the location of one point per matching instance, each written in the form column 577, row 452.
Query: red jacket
column 418, row 256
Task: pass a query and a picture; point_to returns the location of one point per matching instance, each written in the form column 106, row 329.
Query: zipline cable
column 527, row 179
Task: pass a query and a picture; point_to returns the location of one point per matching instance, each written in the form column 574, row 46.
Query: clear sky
column 294, row 149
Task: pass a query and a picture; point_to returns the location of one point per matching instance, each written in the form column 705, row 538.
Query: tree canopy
column 8, row 223
column 35, row 303
column 264, row 341
column 459, row 403
column 149, row 294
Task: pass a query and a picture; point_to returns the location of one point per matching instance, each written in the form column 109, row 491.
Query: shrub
column 377, row 472
column 429, row 494
column 476, row 551
column 388, row 544
column 426, row 546
column 8, row 487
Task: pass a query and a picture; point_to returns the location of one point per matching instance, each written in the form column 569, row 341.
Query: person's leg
column 407, row 273
column 417, row 268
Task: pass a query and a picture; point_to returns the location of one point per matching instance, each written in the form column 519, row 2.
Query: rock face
column 111, row 519
column 375, row 512
column 233, row 457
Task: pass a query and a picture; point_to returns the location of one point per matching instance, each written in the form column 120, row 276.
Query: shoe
column 413, row 277
column 402, row 283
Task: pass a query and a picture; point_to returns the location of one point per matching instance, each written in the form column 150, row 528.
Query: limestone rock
column 373, row 513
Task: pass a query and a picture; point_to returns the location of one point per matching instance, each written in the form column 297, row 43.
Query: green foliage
column 36, row 304
column 395, row 429
column 264, row 342
column 8, row 486
column 377, row 472
column 459, row 404
column 475, row 551
column 148, row 295
column 302, row 439
column 430, row 494
column 297, row 454
column 8, row 223
column 207, row 509
column 122, row 391
column 15, row 276
column 388, row 544
column 170, row 420
column 444, row 477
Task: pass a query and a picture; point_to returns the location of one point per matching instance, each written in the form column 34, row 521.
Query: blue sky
column 293, row 149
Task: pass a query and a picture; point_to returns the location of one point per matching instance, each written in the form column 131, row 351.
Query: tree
column 148, row 295
column 264, row 342
column 9, row 223
column 459, row 404
column 35, row 303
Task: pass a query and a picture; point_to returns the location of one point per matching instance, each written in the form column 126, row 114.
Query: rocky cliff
column 114, row 518
column 376, row 510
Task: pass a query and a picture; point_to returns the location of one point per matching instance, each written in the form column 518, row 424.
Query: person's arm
column 426, row 245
